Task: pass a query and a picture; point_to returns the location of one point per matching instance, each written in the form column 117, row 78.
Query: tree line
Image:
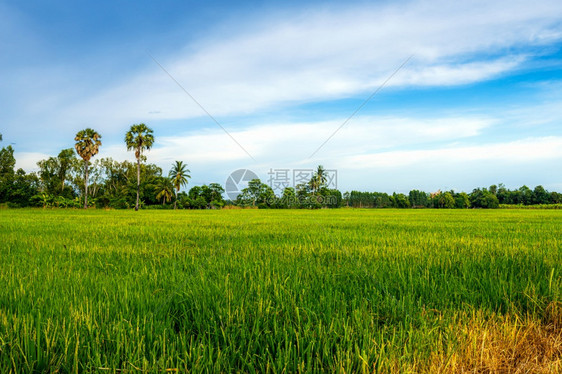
column 492, row 197
column 66, row 180
column 312, row 195
column 75, row 179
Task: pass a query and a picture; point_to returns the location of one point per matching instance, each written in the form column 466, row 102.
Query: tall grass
column 271, row 291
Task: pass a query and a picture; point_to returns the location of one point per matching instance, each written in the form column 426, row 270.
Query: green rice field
column 279, row 291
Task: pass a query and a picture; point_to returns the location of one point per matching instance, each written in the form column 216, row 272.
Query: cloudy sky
column 277, row 85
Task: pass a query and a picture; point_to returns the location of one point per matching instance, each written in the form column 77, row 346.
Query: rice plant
column 280, row 291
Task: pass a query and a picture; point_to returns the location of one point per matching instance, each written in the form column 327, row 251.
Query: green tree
column 183, row 200
column 114, row 190
column 540, row 195
column 139, row 138
column 48, row 175
column 462, row 201
column 526, row 195
column 7, row 161
column 503, row 194
column 7, row 173
column 303, row 191
column 164, row 189
column 267, row 196
column 253, row 190
column 318, row 179
column 87, row 145
column 482, row 198
column 555, row 197
column 23, row 188
column 400, row 200
column 446, row 200
column 96, row 178
column 207, row 194
column 195, row 192
column 215, row 192
column 55, row 171
column 332, row 198
column 418, row 199
column 289, row 198
column 200, row 203
column 179, row 175
column 257, row 193
column 65, row 160
column 492, row 201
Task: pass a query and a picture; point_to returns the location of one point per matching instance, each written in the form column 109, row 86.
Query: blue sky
column 479, row 102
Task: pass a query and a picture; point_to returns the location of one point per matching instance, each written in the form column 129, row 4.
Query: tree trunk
column 176, row 201
column 86, row 185
column 138, row 184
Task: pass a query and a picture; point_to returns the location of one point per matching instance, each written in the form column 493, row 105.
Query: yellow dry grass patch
column 504, row 344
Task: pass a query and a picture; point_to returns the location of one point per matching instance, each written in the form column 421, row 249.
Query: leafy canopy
column 88, row 142
column 139, row 138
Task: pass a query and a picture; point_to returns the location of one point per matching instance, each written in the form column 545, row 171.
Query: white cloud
column 526, row 151
column 456, row 74
column 374, row 158
column 327, row 54
column 28, row 160
column 293, row 143
column 313, row 55
column 373, row 153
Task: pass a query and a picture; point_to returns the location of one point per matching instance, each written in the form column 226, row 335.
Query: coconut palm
column 318, row 179
column 164, row 189
column 87, row 145
column 321, row 176
column 139, row 138
column 179, row 175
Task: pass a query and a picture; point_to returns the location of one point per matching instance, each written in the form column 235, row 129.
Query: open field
column 280, row 290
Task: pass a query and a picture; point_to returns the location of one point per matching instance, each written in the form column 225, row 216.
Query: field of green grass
column 280, row 291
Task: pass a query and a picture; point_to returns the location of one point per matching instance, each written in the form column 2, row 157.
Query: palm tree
column 321, row 176
column 164, row 189
column 318, row 179
column 179, row 175
column 87, row 145
column 139, row 138
column 0, row 137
